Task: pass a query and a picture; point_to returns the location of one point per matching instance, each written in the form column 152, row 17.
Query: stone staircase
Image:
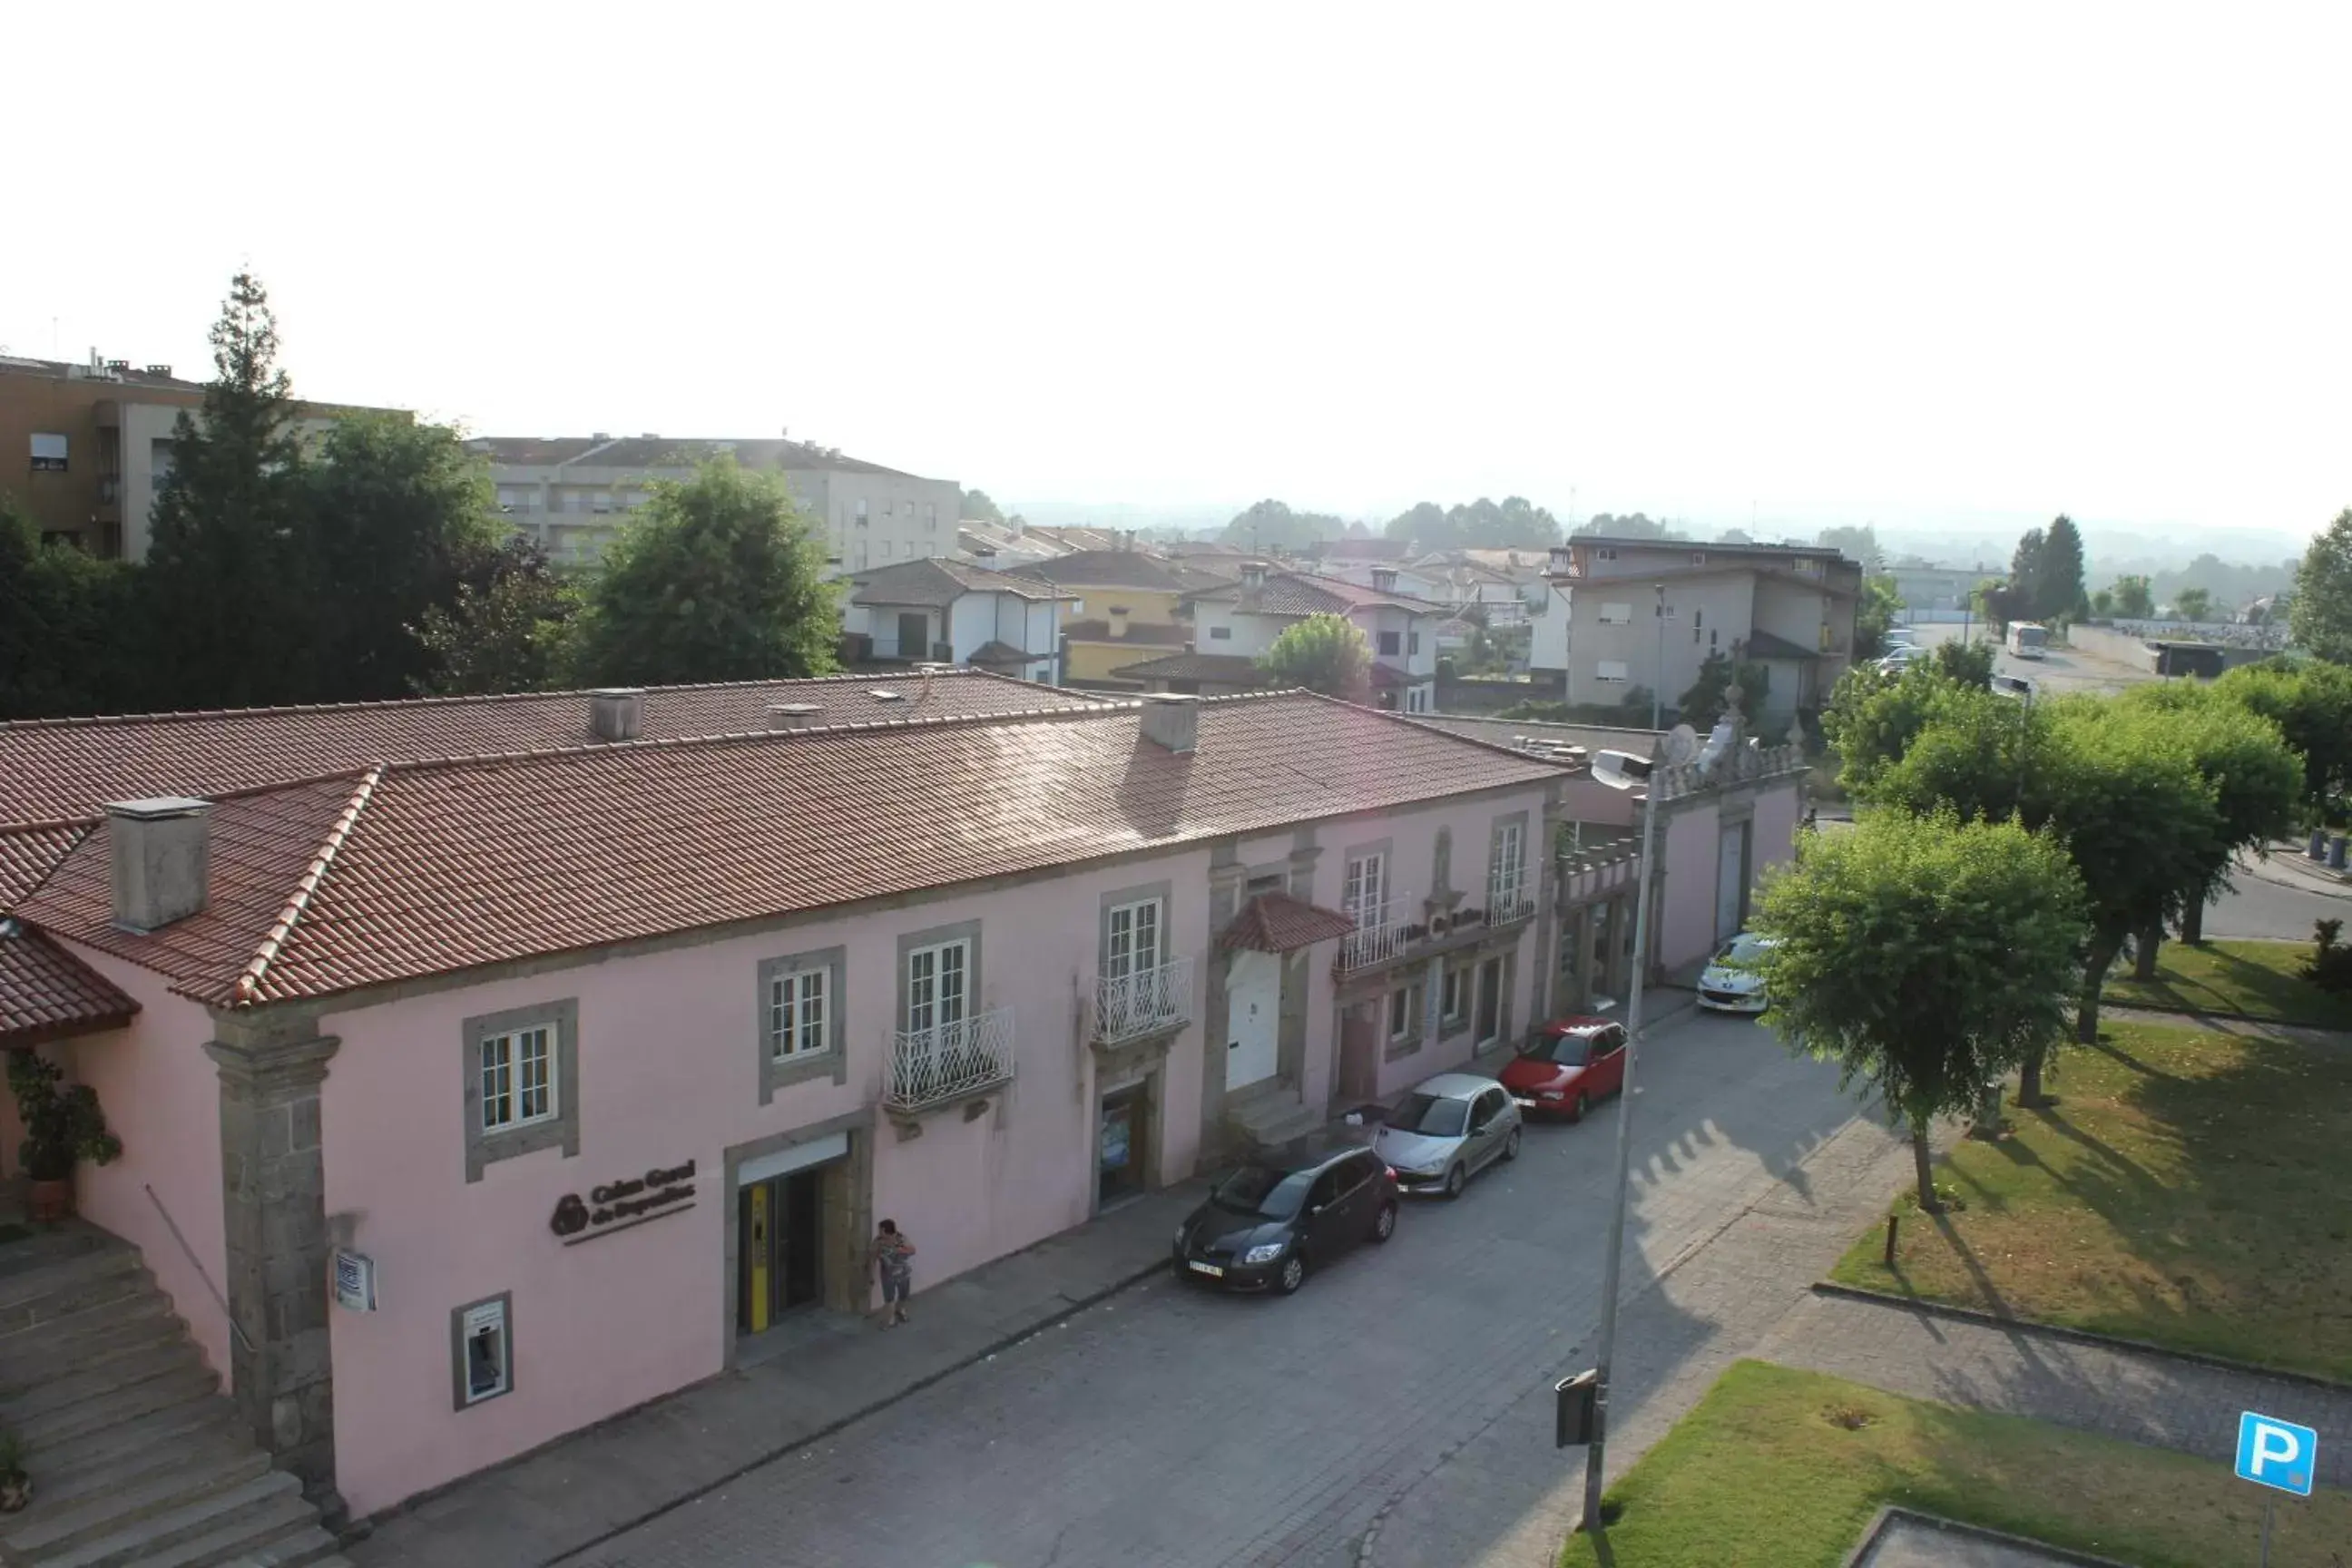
column 136, row 1456
column 1269, row 1114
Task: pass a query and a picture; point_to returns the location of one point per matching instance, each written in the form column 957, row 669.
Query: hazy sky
column 1831, row 263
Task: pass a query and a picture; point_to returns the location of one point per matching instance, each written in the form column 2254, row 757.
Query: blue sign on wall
column 2272, row 1453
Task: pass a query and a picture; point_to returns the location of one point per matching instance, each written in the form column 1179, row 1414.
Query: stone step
column 312, row 1548
column 192, row 1381
column 192, row 1422
column 1271, row 1131
column 53, row 1525
column 98, row 1379
column 85, row 1337
column 212, row 1529
column 51, row 1243
column 31, row 1298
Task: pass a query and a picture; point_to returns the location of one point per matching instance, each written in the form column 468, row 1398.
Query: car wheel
column 1384, row 1223
column 1455, row 1179
column 1511, row 1145
column 1293, row 1275
column 1576, row 1110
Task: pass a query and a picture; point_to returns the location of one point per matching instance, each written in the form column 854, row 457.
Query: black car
column 1277, row 1217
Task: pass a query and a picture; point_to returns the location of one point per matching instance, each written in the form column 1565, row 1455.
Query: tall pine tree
column 2058, row 585
column 2025, row 576
column 226, row 593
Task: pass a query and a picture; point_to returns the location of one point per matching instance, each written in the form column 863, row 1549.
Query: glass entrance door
column 779, row 1247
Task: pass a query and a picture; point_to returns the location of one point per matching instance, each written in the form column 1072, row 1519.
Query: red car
column 1567, row 1066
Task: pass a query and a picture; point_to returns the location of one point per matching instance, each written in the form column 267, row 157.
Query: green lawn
column 1780, row 1468
column 2187, row 1187
column 2259, row 979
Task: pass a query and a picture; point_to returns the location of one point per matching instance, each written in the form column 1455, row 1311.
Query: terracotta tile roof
column 1310, row 593
column 1767, row 645
column 1143, row 634
column 999, row 654
column 66, row 769
column 936, row 580
column 1107, row 569
column 1231, row 668
column 48, row 994
column 29, row 854
column 1277, row 923
column 431, row 867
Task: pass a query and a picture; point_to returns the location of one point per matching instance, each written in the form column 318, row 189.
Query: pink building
column 441, row 1078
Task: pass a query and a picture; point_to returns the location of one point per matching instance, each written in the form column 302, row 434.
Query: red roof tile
column 48, row 994
column 27, row 855
column 1277, row 923
column 1231, row 668
column 1143, row 634
column 54, row 769
column 438, row 867
column 1311, row 594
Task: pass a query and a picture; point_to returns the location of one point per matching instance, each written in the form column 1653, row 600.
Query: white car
column 1901, row 657
column 1446, row 1131
column 1729, row 982
column 1901, row 637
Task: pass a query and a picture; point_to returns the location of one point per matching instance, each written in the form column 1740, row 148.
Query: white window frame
column 1365, row 888
column 1455, row 994
column 1391, row 644
column 1221, row 633
column 493, row 1316
column 1612, row 670
column 937, row 1009
column 512, row 1071
column 1404, row 1012
column 800, row 1014
column 51, row 452
column 1127, row 949
column 1509, row 872
column 1613, row 614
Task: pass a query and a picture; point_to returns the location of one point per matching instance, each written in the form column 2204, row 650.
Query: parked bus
column 2028, row 638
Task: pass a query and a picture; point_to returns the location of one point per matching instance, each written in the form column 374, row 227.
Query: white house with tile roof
column 1240, row 621
column 952, row 612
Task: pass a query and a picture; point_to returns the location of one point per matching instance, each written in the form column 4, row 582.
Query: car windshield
column 1426, row 1114
column 1742, row 950
column 1263, row 1192
column 1560, row 1050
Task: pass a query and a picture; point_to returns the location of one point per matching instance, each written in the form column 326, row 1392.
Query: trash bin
column 2335, row 853
column 1575, row 1401
column 2318, row 850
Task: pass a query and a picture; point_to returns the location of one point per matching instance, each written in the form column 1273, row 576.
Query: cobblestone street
column 1171, row 1427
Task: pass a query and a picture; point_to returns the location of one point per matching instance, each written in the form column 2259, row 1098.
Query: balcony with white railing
column 1510, row 898
column 1144, row 1002
column 949, row 1062
column 1382, row 932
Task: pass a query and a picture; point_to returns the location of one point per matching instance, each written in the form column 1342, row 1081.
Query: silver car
column 1448, row 1130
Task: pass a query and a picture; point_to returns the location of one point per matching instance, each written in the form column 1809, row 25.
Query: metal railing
column 1379, row 935
column 948, row 1061
column 190, row 1253
column 1128, row 1005
column 1510, row 898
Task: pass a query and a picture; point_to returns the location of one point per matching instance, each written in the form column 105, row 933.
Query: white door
column 1731, row 882
column 1254, row 997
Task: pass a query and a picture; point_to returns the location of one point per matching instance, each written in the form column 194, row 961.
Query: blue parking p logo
column 2279, row 1454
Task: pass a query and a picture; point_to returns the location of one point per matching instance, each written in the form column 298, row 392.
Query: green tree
column 2312, row 705
column 2103, row 604
column 395, row 512
column 1873, row 716
column 716, row 578
column 1425, row 522
column 1703, row 704
column 2025, row 574
column 1322, row 653
column 1734, row 536
column 1513, row 523
column 1927, row 956
column 2058, row 573
column 2191, row 604
column 1998, row 604
column 978, row 508
column 1855, row 545
column 1270, row 527
column 62, row 615
column 1966, row 663
column 507, row 628
column 2321, row 617
column 2133, row 599
column 1626, row 525
column 228, row 592
column 1879, row 608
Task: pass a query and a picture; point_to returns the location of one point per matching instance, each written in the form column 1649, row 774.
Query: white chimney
column 616, row 713
column 159, row 860
column 1172, row 722
column 794, row 715
column 1254, row 574
column 1118, row 620
column 1384, row 579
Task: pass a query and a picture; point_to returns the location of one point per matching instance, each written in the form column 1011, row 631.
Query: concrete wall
column 1705, row 615
column 1547, row 649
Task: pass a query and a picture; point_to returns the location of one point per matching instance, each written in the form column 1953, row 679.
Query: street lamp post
column 1658, row 675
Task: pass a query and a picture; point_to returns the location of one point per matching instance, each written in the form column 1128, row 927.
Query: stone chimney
column 794, row 715
column 1118, row 620
column 1252, row 573
column 159, row 860
column 616, row 713
column 1384, row 579
column 1171, row 721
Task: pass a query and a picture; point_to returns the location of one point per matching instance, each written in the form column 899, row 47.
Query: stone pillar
column 1227, row 879
column 273, row 1195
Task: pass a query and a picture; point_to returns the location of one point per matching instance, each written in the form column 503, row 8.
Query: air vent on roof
column 794, row 715
column 616, row 713
column 884, row 694
column 158, row 860
column 1173, row 720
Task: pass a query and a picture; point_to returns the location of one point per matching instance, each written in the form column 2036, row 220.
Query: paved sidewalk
column 582, row 1489
column 1713, row 1305
column 2139, row 1397
column 2289, row 866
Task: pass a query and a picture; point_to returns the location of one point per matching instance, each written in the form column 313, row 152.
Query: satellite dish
column 1680, row 746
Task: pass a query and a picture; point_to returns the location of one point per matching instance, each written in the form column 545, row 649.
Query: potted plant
column 63, row 1127
column 16, row 1485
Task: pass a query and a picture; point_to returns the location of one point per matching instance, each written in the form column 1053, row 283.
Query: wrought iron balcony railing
column 950, row 1061
column 1143, row 1002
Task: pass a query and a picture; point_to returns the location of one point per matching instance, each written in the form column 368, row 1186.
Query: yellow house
column 1127, row 608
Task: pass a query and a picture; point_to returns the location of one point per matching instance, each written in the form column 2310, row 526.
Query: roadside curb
column 1896, row 1513
column 1077, row 1304
column 2077, row 1336
column 2280, row 869
column 2140, row 1010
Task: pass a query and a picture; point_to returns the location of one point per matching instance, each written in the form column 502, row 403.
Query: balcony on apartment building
column 1143, row 1002
column 951, row 1060
column 1406, row 928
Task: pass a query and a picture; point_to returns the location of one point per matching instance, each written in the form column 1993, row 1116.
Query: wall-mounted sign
column 617, row 1205
column 354, row 1281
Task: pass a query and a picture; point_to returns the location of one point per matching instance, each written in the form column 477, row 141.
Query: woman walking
column 891, row 1253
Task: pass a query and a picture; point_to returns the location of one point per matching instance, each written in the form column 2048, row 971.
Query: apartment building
column 1235, row 622
column 87, row 445
column 1645, row 614
column 573, row 493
